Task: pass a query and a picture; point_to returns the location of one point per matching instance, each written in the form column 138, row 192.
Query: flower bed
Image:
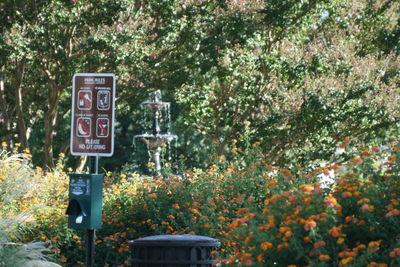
column 262, row 215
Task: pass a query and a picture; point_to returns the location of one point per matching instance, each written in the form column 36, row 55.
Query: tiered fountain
column 156, row 140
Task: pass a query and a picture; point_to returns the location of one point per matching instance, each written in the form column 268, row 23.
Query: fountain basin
column 155, row 106
column 155, row 141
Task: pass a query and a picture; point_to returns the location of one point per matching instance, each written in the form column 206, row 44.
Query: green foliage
column 304, row 74
column 260, row 213
column 17, row 185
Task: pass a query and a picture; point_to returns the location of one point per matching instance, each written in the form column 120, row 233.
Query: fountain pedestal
column 156, row 140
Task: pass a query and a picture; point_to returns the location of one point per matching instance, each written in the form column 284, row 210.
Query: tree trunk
column 22, row 130
column 3, row 107
column 50, row 121
column 48, row 139
column 80, row 164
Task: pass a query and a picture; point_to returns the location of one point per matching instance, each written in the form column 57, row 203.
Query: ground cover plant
column 19, row 184
column 263, row 215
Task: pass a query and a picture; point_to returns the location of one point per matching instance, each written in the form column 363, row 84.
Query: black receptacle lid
column 175, row 241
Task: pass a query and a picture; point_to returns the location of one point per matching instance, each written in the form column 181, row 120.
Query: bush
column 18, row 184
column 351, row 223
column 263, row 215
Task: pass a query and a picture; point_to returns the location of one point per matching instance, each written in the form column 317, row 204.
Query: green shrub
column 263, row 215
column 18, row 183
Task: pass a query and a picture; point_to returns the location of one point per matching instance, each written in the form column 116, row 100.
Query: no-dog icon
column 103, row 100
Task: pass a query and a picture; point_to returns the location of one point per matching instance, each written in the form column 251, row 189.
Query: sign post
column 92, row 127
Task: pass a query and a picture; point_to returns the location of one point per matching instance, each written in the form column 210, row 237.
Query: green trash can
column 173, row 251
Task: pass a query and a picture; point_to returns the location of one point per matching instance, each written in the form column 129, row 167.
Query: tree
column 298, row 77
column 47, row 42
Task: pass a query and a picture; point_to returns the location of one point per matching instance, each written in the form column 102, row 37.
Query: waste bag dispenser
column 85, row 201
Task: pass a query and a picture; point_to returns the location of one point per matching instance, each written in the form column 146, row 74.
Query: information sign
column 92, row 119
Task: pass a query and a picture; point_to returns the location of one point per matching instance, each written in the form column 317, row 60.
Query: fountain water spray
column 156, row 140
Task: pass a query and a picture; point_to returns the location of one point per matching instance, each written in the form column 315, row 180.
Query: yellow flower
column 340, row 240
column 17, row 144
column 150, row 164
column 346, row 260
column 3, row 144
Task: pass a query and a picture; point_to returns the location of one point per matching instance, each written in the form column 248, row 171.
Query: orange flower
column 306, row 187
column 346, row 260
column 241, row 210
column 324, row 257
column 288, row 234
column 266, row 245
column 248, row 239
column 330, row 201
column 282, row 246
column 221, row 218
column 348, row 219
column 283, row 229
column 195, row 211
column 152, row 195
column 346, row 194
column 340, row 240
column 319, row 244
column 374, row 244
column 334, row 231
column 310, row 224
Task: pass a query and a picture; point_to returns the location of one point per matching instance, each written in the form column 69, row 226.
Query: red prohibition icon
column 83, row 126
column 102, row 127
column 84, row 99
